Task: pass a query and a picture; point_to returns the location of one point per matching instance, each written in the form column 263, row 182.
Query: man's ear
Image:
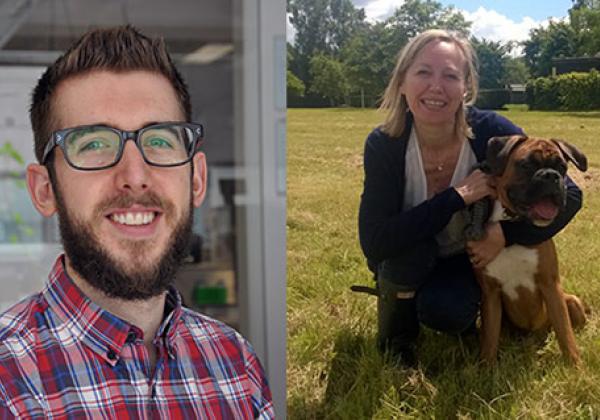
column 199, row 179
column 40, row 189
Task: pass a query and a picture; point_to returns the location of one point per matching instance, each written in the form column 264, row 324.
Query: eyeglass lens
column 95, row 147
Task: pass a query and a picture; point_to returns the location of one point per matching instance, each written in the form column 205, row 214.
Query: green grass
column 333, row 369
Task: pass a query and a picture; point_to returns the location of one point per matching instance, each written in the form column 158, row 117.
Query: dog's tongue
column 543, row 209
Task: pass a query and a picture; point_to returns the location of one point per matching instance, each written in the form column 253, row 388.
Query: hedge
column 568, row 92
column 492, row 98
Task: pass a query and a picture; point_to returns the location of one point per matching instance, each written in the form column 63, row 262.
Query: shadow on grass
column 464, row 386
column 583, row 114
column 449, row 383
column 349, row 377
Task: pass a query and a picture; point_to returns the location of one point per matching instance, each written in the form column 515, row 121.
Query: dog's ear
column 572, row 153
column 498, row 151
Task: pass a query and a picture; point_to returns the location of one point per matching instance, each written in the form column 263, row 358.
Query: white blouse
column 451, row 239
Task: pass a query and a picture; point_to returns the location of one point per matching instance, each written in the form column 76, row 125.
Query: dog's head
column 530, row 174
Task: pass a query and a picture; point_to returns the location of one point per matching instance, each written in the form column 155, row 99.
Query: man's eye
column 93, row 145
column 159, row 143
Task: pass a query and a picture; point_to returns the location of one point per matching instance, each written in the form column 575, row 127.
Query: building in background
column 232, row 55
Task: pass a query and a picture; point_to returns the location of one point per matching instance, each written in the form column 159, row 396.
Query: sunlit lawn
column 333, row 369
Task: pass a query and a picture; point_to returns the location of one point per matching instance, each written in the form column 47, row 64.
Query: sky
column 494, row 20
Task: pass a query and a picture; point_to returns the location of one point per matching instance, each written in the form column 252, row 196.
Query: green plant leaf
column 10, row 151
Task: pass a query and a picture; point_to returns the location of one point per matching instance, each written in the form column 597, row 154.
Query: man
column 108, row 337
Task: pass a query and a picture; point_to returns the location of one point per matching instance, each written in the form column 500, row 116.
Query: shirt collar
column 80, row 319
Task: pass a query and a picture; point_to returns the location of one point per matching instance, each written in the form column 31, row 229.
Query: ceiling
column 52, row 25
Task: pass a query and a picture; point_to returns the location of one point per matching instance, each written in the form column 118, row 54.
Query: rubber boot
column 397, row 281
column 397, row 324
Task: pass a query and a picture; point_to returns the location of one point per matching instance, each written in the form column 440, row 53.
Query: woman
column 418, row 183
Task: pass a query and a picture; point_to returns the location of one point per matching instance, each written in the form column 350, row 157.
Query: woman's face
column 434, row 84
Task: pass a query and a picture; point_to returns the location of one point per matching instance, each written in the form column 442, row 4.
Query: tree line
column 337, row 54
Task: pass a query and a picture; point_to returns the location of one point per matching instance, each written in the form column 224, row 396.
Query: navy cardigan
column 385, row 229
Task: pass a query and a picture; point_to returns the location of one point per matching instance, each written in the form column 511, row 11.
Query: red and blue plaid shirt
column 62, row 356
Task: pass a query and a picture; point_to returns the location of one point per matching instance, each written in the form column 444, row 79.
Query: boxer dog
column 522, row 282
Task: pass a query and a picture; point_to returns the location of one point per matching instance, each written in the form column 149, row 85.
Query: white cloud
column 290, row 31
column 381, row 9
column 488, row 24
column 494, row 26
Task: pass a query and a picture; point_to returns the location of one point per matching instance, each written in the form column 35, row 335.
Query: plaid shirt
column 62, row 356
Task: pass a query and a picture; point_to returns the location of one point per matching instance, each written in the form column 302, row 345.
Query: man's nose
column 132, row 172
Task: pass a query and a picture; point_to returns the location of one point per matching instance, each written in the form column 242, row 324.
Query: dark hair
column 118, row 49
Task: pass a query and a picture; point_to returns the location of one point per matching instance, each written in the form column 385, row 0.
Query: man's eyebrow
column 145, row 124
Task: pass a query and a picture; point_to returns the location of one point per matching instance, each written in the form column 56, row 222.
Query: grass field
column 333, row 369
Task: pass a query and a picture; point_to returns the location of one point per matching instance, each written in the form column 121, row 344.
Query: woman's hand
column 474, row 187
column 483, row 252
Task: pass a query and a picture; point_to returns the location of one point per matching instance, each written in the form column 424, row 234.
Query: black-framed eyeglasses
column 94, row 147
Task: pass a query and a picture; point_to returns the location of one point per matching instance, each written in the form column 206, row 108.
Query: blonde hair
column 394, row 104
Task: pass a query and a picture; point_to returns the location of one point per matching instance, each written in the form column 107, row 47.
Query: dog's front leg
column 559, row 318
column 491, row 319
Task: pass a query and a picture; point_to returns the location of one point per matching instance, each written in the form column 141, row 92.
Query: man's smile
column 135, row 221
column 133, row 218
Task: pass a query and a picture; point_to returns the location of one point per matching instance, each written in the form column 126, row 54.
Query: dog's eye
column 528, row 166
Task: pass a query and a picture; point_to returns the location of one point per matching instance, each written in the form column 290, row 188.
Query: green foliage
column 369, row 59
column 580, row 4
column 579, row 91
column 516, row 71
column 557, row 40
column 295, row 86
column 416, row 16
column 585, row 22
column 335, row 28
column 7, row 151
column 493, row 58
column 322, row 26
column 329, row 79
column 571, row 91
column 542, row 94
column 579, row 36
column 492, row 98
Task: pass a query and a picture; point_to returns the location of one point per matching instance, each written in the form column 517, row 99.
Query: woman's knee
column 450, row 313
column 410, row 269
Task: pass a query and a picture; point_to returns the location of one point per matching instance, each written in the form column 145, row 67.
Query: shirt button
column 111, row 354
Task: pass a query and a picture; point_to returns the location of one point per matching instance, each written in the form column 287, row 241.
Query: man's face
column 124, row 228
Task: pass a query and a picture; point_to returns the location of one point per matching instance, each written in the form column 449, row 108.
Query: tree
column 585, row 4
column 329, row 79
column 493, row 58
column 368, row 64
column 295, row 86
column 516, row 71
column 322, row 26
column 557, row 40
column 344, row 21
column 371, row 53
column 585, row 21
column 416, row 16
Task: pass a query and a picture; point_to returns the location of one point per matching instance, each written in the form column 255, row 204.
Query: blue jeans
column 447, row 292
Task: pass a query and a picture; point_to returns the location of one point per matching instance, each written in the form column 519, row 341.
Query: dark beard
column 91, row 261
